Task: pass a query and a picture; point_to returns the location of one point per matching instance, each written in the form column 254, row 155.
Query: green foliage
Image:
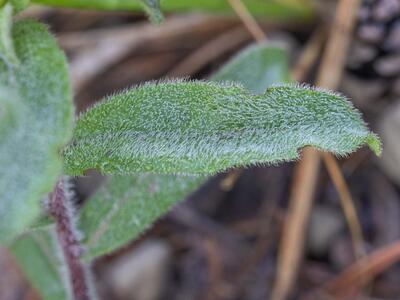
column 37, row 98
column 169, row 127
column 39, row 257
column 7, row 52
column 256, row 67
column 19, row 4
column 271, row 8
column 126, row 206
column 152, row 7
column 199, row 127
column 95, row 4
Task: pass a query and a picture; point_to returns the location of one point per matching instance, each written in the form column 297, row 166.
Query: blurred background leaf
column 42, row 85
column 7, row 52
column 256, row 67
column 39, row 257
column 270, row 8
column 126, row 206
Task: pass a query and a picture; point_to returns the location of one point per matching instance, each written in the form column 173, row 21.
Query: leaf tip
column 374, row 143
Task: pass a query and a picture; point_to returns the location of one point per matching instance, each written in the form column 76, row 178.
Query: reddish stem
column 60, row 209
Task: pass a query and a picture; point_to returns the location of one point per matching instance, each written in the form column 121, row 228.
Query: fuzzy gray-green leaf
column 125, row 206
column 256, row 67
column 7, row 52
column 37, row 123
column 124, row 196
column 204, row 127
column 39, row 257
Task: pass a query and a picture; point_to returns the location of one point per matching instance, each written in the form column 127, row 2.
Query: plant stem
column 61, row 210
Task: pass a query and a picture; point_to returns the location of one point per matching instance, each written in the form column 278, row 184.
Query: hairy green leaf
column 256, row 67
column 125, row 206
column 271, row 8
column 123, row 199
column 7, row 52
column 41, row 113
column 39, row 257
column 200, row 127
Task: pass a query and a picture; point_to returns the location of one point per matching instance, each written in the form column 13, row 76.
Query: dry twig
column 97, row 54
column 308, row 56
column 302, row 194
column 363, row 270
column 306, row 173
column 248, row 20
column 347, row 204
column 294, row 230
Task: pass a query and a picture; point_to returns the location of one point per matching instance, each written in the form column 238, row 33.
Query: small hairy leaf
column 36, row 116
column 39, row 257
column 7, row 52
column 277, row 8
column 152, row 7
column 256, row 67
column 201, row 127
column 125, row 206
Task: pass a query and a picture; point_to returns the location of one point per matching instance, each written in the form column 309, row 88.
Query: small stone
column 363, row 91
column 389, row 131
column 142, row 273
column 388, row 65
column 360, row 53
column 392, row 42
column 325, row 223
column 386, row 9
column 372, row 33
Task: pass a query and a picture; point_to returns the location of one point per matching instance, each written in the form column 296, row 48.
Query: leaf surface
column 127, row 205
column 39, row 257
column 36, row 116
column 204, row 127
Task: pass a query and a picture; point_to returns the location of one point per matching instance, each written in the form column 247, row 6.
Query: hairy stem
column 60, row 208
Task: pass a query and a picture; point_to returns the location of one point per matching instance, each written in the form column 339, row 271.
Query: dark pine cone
column 375, row 52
